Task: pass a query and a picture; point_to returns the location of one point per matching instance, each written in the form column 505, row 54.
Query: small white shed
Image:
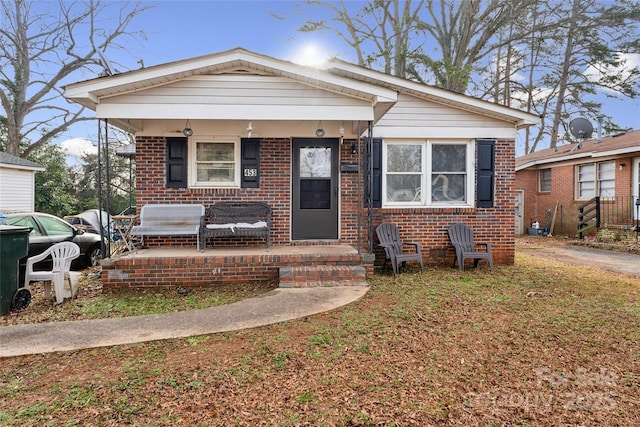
column 17, row 183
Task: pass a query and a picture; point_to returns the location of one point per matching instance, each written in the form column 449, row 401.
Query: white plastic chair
column 62, row 254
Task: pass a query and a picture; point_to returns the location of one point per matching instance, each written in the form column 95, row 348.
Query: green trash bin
column 14, row 244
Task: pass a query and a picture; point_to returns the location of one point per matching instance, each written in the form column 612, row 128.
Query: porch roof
column 98, row 94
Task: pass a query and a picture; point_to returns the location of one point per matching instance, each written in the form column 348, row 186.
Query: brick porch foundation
column 172, row 267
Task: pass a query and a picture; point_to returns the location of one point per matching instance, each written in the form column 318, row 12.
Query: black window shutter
column 374, row 174
column 485, row 173
column 177, row 162
column 250, row 162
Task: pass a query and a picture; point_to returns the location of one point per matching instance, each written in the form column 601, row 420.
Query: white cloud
column 630, row 61
column 78, row 147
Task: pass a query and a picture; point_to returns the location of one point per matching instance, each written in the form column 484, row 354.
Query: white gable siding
column 16, row 190
column 236, row 97
column 412, row 117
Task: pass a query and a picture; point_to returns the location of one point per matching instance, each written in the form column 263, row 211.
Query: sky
column 179, row 30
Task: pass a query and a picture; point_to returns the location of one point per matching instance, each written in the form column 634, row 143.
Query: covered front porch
column 289, row 266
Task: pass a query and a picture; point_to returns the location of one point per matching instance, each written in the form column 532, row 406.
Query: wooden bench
column 236, row 219
column 169, row 220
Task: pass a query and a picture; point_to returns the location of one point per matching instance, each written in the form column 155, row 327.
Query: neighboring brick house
column 334, row 150
column 570, row 175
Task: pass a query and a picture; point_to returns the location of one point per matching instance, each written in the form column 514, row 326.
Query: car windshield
column 55, row 227
column 24, row 221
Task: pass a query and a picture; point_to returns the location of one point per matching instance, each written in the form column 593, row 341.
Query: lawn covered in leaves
column 539, row 343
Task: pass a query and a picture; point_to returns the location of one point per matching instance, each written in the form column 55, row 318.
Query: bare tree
column 39, row 48
column 546, row 57
column 466, row 34
column 438, row 42
column 382, row 33
column 576, row 51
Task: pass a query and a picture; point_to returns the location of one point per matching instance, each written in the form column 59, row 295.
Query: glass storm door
column 314, row 198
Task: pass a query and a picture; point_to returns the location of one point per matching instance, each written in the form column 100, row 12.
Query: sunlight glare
column 311, row 54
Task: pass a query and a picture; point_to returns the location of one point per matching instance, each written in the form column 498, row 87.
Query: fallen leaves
column 520, row 345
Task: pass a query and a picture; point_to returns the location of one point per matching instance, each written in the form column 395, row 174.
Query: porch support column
column 99, row 185
column 361, row 173
column 106, row 251
column 369, row 185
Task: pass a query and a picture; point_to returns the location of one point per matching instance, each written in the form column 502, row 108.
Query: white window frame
column 597, row 180
column 193, row 162
column 424, row 199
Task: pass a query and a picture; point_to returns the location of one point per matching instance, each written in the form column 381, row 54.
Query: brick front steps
column 322, row 275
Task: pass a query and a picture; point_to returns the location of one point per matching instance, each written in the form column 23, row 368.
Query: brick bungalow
column 571, row 175
column 387, row 149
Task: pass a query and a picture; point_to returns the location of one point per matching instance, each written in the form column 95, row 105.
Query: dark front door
column 314, row 208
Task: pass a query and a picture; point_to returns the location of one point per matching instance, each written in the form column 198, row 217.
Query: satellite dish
column 581, row 128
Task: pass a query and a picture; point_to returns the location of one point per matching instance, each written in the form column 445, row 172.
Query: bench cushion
column 236, row 219
column 233, row 225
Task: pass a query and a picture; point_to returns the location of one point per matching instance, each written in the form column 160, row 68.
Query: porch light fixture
column 187, row 131
column 249, row 129
column 320, row 130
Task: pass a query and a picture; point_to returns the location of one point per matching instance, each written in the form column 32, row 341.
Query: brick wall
column 490, row 225
column 429, row 226
column 274, row 188
column 537, row 205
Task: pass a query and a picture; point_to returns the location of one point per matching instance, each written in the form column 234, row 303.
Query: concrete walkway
column 276, row 306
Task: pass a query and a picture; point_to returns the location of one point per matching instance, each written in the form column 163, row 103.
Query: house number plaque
column 250, row 172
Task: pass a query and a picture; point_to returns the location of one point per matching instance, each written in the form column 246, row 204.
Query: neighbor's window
column 217, row 163
column 427, row 174
column 596, row 179
column 545, row 180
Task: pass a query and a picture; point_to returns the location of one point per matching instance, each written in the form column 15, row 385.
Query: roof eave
column 520, row 119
